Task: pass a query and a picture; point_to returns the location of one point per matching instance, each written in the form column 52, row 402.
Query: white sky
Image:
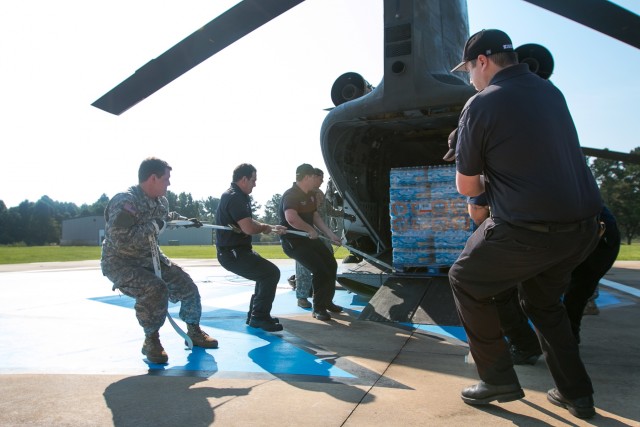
column 259, row 101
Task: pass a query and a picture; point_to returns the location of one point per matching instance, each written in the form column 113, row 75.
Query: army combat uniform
column 131, row 218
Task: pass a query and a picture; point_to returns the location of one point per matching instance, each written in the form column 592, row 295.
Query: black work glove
column 452, row 142
column 160, row 225
column 194, row 223
column 350, row 217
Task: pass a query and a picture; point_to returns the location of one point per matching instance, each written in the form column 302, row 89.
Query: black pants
column 514, row 323
column 318, row 259
column 244, row 262
column 498, row 257
column 585, row 278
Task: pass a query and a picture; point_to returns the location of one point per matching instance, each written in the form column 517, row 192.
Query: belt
column 556, row 227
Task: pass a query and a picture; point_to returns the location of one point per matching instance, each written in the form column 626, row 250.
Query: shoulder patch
column 125, row 219
column 129, row 208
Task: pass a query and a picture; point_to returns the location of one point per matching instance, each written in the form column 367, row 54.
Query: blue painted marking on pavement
column 456, row 332
column 607, row 299
column 242, row 348
column 91, row 329
column 621, row 287
column 604, row 299
column 119, row 300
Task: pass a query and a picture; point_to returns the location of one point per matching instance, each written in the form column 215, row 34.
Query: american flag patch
column 129, row 208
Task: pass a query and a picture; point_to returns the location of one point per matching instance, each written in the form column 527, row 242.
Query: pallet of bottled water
column 429, row 220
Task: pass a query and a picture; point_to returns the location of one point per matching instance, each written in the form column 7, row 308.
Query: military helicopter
column 402, row 122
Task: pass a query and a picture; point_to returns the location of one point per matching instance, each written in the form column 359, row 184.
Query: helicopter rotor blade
column 600, row 15
column 221, row 32
column 611, row 155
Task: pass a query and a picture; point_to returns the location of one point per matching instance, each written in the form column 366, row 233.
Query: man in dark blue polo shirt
column 584, row 282
column 298, row 213
column 517, row 142
column 235, row 251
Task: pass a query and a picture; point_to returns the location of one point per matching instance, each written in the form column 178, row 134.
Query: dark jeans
column 318, row 259
column 244, row 262
column 498, row 257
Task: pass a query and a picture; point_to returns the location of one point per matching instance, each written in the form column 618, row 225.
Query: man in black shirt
column 517, row 142
column 235, row 252
column 298, row 213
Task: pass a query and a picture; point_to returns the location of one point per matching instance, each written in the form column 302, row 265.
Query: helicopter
column 403, row 122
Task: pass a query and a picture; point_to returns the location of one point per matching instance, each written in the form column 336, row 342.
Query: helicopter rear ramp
column 418, row 300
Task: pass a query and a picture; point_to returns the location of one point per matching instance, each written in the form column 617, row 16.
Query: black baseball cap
column 452, row 141
column 305, row 169
column 485, row 42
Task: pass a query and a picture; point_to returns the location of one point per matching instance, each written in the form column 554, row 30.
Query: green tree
column 620, row 188
column 100, row 205
column 22, row 230
column 5, row 225
column 271, row 208
column 255, row 206
column 173, row 200
column 185, row 205
column 209, row 208
column 10, row 227
column 43, row 227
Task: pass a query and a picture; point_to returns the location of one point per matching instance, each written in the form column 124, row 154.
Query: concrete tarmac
column 70, row 356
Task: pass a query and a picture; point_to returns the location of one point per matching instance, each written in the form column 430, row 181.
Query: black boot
column 250, row 309
column 269, row 325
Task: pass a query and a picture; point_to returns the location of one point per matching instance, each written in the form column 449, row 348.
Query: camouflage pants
column 152, row 294
column 303, row 281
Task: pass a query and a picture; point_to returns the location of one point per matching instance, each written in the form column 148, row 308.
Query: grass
column 26, row 254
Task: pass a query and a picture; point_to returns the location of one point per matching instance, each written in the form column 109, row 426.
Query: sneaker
column 265, row 325
column 321, row 314
column 304, row 303
column 524, row 357
column 591, row 309
column 334, row 308
column 153, row 349
column 292, row 281
column 199, row 337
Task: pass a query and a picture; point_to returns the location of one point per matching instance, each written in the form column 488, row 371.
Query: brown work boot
column 591, row 309
column 153, row 349
column 199, row 337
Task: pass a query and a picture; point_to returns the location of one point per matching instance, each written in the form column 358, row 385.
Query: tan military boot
column 153, row 349
column 199, row 337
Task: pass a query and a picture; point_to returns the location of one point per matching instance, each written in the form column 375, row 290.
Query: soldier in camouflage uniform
column 303, row 286
column 133, row 221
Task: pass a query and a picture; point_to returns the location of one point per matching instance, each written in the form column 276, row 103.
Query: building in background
column 89, row 231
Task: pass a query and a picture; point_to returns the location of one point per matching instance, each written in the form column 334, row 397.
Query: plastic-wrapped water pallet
column 429, row 220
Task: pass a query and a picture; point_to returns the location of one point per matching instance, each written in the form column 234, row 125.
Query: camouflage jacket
column 130, row 220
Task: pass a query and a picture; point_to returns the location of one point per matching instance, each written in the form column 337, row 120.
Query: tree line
column 40, row 223
column 620, row 189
